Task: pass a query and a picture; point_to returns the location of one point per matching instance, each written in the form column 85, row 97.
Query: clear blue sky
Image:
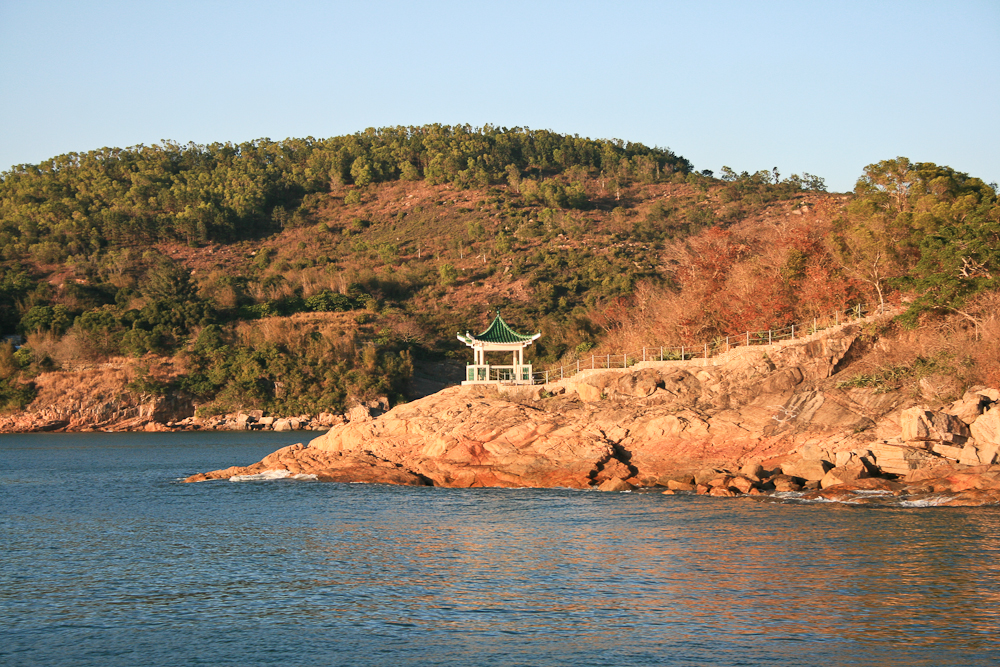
column 818, row 87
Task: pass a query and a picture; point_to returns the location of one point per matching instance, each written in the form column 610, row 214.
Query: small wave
column 871, row 492
column 269, row 475
column 787, row 495
column 933, row 501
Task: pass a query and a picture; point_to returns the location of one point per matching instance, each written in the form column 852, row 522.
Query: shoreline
column 467, row 437
column 251, row 420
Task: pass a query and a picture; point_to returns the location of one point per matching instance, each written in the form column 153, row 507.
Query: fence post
column 546, row 377
column 592, row 366
column 644, row 353
column 682, row 353
column 609, row 362
column 727, row 343
column 706, row 350
column 577, row 365
column 560, row 372
column 793, row 332
column 748, row 339
column 661, row 353
column 768, row 336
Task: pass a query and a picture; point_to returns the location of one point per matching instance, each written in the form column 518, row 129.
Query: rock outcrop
column 464, row 437
column 755, row 423
column 324, row 466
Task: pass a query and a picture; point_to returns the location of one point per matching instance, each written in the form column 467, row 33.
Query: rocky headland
column 754, row 421
column 103, row 398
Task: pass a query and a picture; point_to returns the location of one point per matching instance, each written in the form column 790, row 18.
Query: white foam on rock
column 269, row 475
column 787, row 495
column 933, row 501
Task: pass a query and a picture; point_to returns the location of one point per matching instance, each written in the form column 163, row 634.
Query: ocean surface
column 106, row 558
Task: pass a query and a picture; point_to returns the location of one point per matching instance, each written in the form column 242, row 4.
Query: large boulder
column 811, row 470
column 588, row 392
column 977, row 456
column 784, row 483
column 637, row 385
column 359, row 413
column 742, row 484
column 610, row 470
column 899, row 459
column 922, row 425
column 844, row 475
column 949, row 451
column 972, row 404
column 986, row 428
column 615, row 485
column 753, row 470
column 813, row 452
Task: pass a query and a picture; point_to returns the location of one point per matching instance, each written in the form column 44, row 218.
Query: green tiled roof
column 499, row 332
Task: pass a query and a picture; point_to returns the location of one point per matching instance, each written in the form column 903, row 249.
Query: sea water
column 107, row 558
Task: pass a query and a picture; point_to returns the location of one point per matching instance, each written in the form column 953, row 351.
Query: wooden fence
column 706, row 350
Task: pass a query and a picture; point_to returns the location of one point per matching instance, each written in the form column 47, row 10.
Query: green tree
column 46, row 318
column 873, row 241
column 923, row 226
column 448, row 274
column 956, row 222
column 887, row 184
column 361, row 172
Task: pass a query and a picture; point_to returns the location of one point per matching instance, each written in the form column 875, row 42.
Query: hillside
column 305, row 275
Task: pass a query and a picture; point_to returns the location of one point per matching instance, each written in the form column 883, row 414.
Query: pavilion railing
column 489, row 373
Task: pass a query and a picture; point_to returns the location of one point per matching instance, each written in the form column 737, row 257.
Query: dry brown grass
column 66, row 391
column 301, row 330
column 316, row 279
column 214, row 286
column 64, row 351
column 983, row 338
column 84, row 388
column 272, row 292
column 960, row 349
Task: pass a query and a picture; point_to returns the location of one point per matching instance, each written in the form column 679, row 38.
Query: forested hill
column 225, row 192
column 301, row 275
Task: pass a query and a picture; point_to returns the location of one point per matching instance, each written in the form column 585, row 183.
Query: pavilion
column 498, row 337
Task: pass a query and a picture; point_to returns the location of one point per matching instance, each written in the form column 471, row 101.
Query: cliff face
column 758, row 419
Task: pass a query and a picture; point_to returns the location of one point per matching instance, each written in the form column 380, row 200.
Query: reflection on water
column 108, row 560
